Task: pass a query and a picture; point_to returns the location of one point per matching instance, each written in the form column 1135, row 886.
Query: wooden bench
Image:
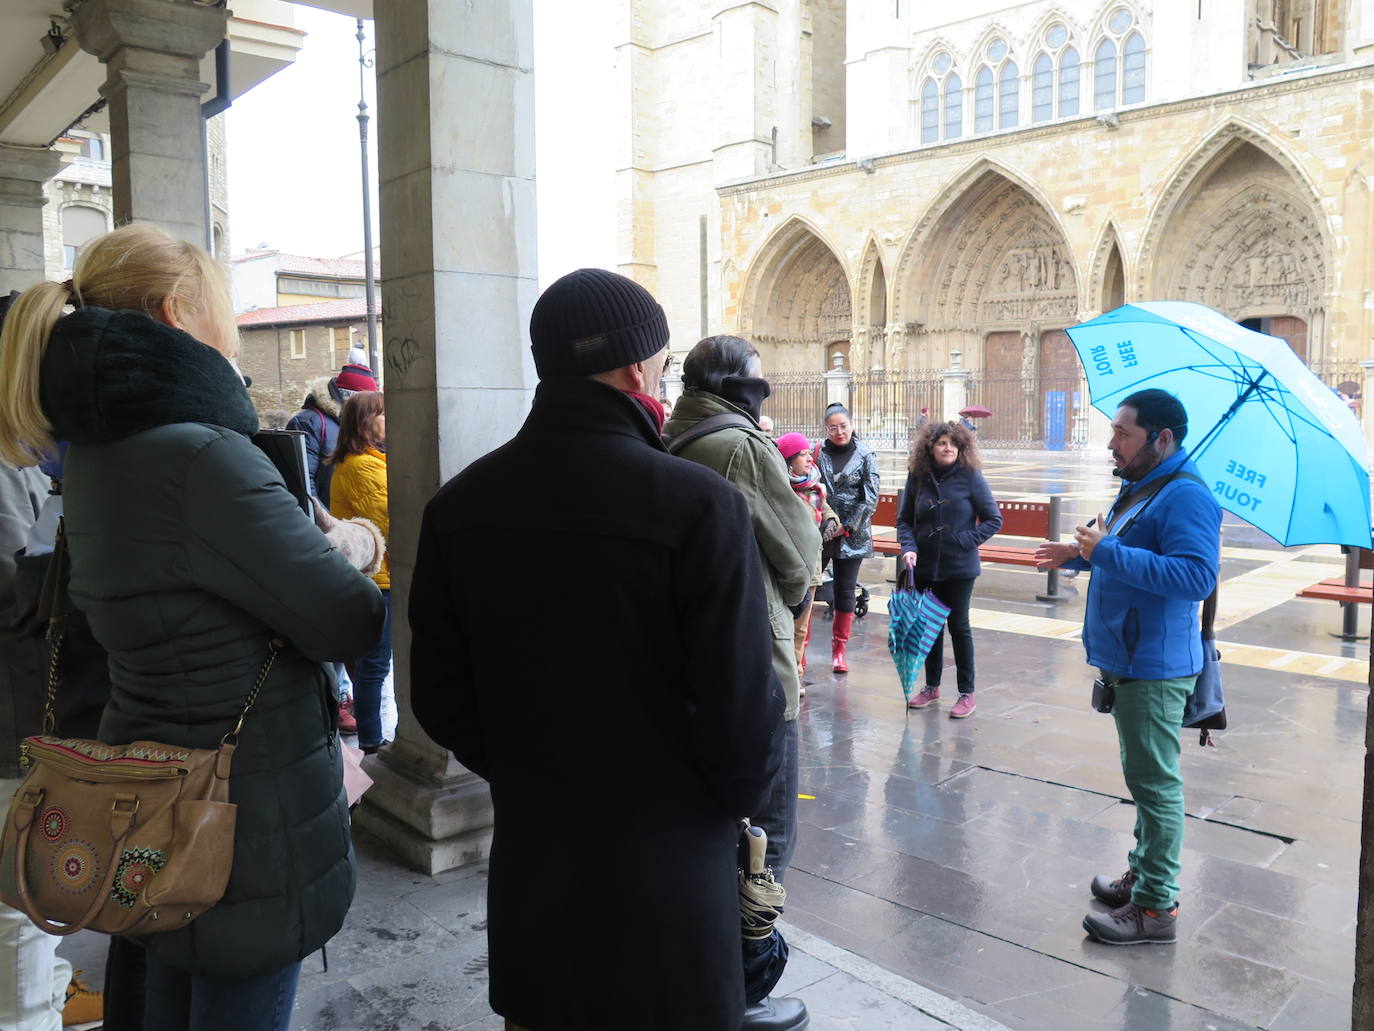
column 1038, row 520
column 1350, row 590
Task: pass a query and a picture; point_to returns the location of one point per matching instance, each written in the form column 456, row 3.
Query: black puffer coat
column 188, row 555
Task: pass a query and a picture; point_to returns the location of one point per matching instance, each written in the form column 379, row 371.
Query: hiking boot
column 963, row 708
column 348, row 722
column 1115, row 893
column 776, row 1015
column 1133, row 925
column 85, row 1007
column 924, row 698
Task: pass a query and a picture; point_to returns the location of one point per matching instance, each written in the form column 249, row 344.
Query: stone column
column 458, row 259
column 839, row 383
column 25, row 170
column 152, row 51
column 955, row 382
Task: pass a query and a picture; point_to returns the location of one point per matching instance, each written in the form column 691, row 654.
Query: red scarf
column 651, row 407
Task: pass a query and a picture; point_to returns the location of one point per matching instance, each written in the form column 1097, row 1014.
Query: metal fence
column 886, row 407
column 797, row 403
column 1045, row 413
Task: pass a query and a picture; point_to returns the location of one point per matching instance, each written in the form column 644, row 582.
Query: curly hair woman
column 947, row 511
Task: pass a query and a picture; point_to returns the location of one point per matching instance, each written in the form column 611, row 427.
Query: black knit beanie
column 593, row 321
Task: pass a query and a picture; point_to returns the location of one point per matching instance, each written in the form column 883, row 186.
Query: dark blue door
column 1056, row 419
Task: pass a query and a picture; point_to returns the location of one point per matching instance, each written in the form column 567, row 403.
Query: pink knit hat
column 792, row 444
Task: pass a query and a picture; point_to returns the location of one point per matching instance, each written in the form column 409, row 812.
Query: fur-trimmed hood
column 320, row 394
column 107, row 375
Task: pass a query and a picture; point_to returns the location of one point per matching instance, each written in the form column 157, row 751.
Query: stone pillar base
column 433, row 826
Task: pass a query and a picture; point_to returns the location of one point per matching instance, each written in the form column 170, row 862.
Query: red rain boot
column 839, row 638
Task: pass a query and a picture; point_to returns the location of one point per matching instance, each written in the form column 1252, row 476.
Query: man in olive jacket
column 723, row 377
column 625, row 714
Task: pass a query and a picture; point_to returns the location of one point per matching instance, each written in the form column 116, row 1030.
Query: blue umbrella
column 1277, row 446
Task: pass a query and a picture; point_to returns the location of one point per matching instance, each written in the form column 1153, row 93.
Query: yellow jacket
column 358, row 488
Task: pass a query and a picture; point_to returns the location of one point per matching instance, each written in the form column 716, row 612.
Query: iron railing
column 797, row 403
column 886, row 407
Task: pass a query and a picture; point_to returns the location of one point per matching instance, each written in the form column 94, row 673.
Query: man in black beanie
column 629, row 714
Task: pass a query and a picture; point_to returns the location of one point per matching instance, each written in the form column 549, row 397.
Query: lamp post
column 369, row 280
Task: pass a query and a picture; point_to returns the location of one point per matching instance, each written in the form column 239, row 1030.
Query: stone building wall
column 1255, row 201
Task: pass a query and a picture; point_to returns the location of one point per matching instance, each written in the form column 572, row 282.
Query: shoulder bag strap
column 710, row 424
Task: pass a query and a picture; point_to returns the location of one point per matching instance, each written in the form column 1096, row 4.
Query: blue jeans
column 369, row 674
column 178, row 1001
column 778, row 813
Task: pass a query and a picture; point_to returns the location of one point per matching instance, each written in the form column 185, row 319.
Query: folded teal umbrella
column 1276, row 445
column 914, row 619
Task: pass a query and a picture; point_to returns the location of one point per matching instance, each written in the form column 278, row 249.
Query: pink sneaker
column 923, row 699
column 963, row 707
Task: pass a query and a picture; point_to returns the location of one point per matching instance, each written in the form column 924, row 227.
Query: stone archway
column 990, row 274
column 1244, row 239
column 797, row 302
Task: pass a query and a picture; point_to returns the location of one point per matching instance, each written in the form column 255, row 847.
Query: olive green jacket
column 784, row 528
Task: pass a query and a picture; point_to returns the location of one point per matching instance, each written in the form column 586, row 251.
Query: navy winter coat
column 943, row 517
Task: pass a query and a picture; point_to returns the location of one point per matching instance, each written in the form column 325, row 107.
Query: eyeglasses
column 842, row 427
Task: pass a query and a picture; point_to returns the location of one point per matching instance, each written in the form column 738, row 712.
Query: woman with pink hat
column 806, row 481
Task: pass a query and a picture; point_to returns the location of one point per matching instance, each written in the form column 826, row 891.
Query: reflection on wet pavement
column 959, row 853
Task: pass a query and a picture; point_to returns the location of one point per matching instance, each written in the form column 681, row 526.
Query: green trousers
column 1149, row 719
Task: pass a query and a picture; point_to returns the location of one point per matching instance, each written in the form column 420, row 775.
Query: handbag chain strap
column 56, row 597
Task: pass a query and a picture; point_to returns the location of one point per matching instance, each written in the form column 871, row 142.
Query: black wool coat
column 625, row 712
column 188, row 556
column 943, row 518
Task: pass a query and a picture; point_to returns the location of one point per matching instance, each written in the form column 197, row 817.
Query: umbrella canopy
column 1275, row 444
column 975, row 412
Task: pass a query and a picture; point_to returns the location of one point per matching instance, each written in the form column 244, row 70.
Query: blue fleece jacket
column 1149, row 575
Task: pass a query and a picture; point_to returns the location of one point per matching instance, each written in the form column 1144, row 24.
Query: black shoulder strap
column 710, row 424
column 1145, row 492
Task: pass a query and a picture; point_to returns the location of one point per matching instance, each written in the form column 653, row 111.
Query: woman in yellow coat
column 358, row 489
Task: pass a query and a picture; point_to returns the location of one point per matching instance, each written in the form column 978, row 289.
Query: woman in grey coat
column 188, row 557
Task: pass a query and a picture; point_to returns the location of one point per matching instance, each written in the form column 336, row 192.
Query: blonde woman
column 188, row 556
column 358, row 490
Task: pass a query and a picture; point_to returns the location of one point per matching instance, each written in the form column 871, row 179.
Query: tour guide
column 1153, row 559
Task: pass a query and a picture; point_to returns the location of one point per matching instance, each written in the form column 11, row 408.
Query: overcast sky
column 295, row 178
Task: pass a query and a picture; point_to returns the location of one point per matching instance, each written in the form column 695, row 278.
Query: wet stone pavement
column 959, row 853
column 942, row 869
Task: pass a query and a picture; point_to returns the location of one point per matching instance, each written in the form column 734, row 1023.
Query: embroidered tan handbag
column 122, row 839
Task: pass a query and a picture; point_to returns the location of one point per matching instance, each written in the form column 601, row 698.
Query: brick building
column 286, row 348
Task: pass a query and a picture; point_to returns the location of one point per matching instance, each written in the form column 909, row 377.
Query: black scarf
column 842, row 453
column 107, row 375
column 746, row 392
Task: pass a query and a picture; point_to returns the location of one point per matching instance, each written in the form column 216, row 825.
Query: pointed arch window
column 1068, row 82
column 1055, row 76
column 1120, row 62
column 954, row 107
column 1008, row 96
column 1042, row 89
column 930, row 112
column 982, row 100
column 1133, row 69
column 1104, row 75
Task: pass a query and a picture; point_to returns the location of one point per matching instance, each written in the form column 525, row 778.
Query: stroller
column 826, row 593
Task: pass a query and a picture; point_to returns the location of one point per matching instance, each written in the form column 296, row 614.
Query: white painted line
column 931, row 1003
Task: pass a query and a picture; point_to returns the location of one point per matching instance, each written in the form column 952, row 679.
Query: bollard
column 1052, row 577
column 1350, row 611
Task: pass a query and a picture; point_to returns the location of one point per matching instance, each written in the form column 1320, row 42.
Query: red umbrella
column 975, row 412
